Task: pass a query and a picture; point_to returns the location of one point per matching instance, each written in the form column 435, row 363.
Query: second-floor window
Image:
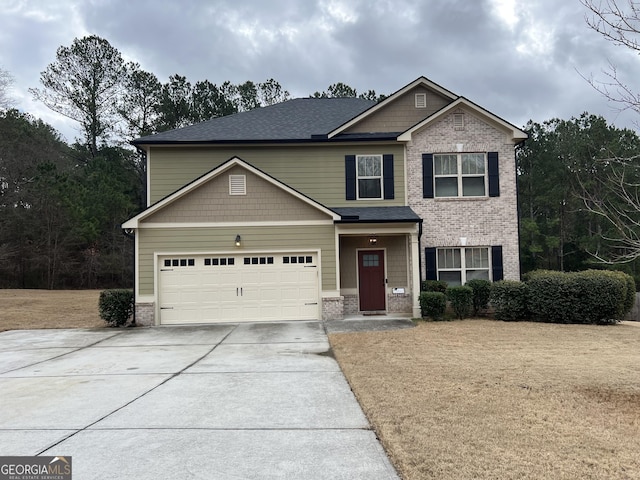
column 369, row 176
column 460, row 175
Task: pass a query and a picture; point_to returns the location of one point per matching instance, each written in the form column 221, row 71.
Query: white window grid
column 369, row 172
column 460, row 166
column 463, row 260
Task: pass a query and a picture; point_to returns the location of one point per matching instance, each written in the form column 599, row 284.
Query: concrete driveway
column 211, row 402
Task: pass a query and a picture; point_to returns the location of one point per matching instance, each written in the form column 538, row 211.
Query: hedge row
column 589, row 297
column 472, row 296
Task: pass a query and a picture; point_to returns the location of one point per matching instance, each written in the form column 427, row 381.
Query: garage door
column 236, row 288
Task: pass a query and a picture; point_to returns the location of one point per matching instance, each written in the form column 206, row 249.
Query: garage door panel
column 232, row 288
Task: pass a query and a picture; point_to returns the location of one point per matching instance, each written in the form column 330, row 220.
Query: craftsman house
column 320, row 208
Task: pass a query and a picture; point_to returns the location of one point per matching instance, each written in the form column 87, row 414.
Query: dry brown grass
column 482, row 399
column 27, row 309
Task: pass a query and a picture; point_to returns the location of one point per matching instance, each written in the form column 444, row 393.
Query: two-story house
column 320, row 208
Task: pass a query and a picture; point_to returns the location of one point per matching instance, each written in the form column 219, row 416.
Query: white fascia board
column 517, row 134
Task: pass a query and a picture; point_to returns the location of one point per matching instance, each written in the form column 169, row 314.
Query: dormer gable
column 401, row 110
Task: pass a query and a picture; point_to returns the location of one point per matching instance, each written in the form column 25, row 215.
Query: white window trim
column 463, row 260
column 459, row 176
column 380, row 177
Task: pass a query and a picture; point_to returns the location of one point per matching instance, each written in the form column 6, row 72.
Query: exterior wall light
column 238, row 241
column 373, row 240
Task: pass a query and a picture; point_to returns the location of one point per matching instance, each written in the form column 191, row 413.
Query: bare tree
column 616, row 198
column 6, row 80
column 618, row 22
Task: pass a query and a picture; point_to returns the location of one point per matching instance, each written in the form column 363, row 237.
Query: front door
column 372, row 289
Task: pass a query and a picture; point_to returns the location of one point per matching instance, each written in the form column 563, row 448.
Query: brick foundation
column 145, row 314
column 399, row 303
column 332, row 308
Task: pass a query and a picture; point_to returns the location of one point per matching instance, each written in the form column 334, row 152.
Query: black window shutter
column 430, row 263
column 427, row 175
column 496, row 263
column 350, row 176
column 494, row 177
column 387, row 164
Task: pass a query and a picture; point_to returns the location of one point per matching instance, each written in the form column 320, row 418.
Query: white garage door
column 236, row 288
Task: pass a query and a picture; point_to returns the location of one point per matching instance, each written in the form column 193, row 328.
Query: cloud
column 520, row 60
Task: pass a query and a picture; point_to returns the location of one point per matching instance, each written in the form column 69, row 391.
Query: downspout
column 131, row 233
column 420, row 251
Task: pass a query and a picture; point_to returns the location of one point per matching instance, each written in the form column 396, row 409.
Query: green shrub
column 509, row 299
column 461, row 300
column 116, row 306
column 481, row 293
column 630, row 299
column 591, row 296
column 433, row 304
column 434, row 286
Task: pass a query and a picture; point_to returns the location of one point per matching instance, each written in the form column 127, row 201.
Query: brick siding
column 482, row 221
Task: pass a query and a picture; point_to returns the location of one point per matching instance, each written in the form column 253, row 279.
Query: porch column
column 415, row 275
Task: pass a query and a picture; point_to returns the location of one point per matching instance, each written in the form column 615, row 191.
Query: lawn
column 482, row 399
column 28, row 309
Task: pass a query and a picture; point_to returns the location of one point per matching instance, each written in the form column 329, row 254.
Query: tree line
column 62, row 205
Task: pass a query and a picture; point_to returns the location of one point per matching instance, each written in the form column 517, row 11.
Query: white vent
column 421, row 100
column 458, row 121
column 237, row 184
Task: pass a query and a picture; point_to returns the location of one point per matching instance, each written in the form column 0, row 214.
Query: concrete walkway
column 250, row 401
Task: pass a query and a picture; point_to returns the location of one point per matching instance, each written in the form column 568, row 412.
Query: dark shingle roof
column 376, row 214
column 299, row 119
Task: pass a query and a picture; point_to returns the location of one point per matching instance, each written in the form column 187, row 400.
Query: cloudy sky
column 520, row 59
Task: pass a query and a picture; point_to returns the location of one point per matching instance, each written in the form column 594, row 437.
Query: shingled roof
column 296, row 120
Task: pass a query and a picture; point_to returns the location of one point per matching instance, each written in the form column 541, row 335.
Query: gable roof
column 312, row 120
column 220, row 169
column 421, row 81
column 517, row 134
column 299, row 119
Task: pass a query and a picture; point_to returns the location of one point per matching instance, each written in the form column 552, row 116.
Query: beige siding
column 401, row 114
column 316, row 171
column 212, row 202
column 396, row 259
column 254, row 239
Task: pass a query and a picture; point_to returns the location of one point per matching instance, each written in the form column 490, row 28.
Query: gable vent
column 458, row 121
column 421, row 100
column 237, row 184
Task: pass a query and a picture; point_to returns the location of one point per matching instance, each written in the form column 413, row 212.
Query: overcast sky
column 520, row 59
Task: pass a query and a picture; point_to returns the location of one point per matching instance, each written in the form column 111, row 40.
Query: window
column 457, row 266
column 459, row 175
column 369, row 176
column 180, row 262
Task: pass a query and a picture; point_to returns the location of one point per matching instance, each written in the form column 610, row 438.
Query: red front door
column 372, row 288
